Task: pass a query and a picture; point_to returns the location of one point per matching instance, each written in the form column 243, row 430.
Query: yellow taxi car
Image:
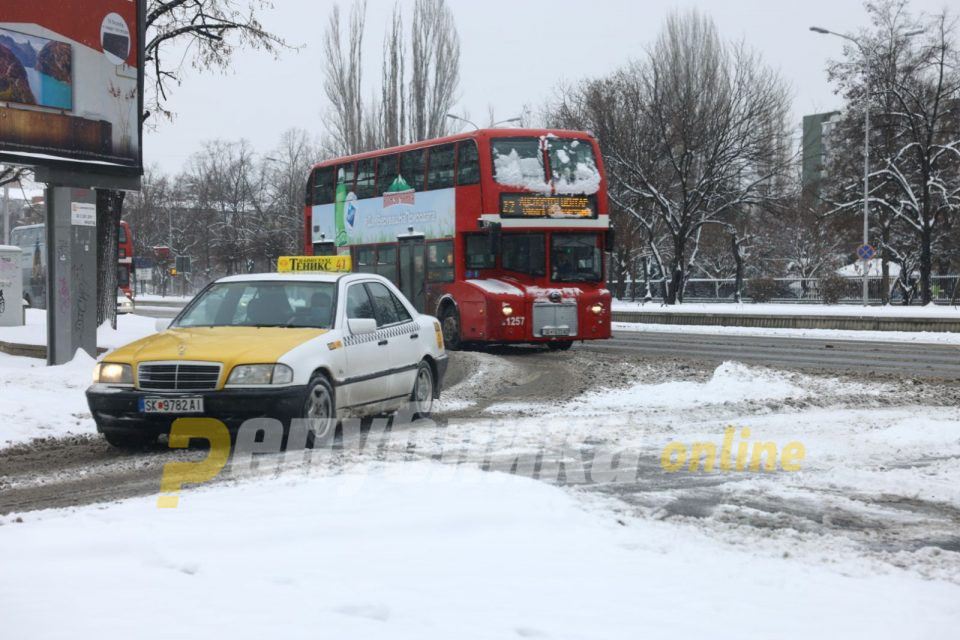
column 316, row 346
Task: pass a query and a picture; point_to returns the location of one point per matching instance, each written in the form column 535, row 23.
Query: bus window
column 441, row 167
column 573, row 165
column 518, row 162
column 348, row 175
column 412, row 168
column 366, row 258
column 386, row 173
column 121, row 235
column 468, row 163
column 323, row 185
column 387, row 261
column 440, row 261
column 523, row 252
column 366, row 179
column 478, row 254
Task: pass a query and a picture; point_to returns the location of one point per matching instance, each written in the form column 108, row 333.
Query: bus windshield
column 518, row 162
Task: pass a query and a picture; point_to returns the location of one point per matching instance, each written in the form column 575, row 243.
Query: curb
column 32, row 350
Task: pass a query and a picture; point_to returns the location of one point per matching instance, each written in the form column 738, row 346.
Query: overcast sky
column 513, row 53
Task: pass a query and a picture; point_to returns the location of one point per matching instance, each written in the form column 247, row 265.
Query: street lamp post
column 866, row 147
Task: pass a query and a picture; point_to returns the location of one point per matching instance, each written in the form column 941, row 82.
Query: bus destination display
column 530, row 205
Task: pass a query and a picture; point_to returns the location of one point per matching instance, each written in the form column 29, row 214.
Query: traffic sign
column 866, row 252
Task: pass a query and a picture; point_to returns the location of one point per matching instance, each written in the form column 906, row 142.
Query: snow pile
column 527, row 173
column 731, row 382
column 44, row 402
column 420, row 552
column 130, row 327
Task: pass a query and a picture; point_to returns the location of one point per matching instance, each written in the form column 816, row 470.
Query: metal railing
column 792, row 290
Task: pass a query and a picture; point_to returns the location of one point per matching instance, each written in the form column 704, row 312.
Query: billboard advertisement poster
column 350, row 221
column 71, row 82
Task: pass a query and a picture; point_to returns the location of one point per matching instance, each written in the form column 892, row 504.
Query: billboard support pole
column 71, row 273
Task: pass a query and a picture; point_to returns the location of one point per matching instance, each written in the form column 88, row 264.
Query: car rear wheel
column 320, row 409
column 422, row 396
column 130, row 441
column 450, row 325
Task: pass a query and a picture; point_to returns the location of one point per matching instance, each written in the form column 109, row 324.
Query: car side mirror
column 362, row 325
column 162, row 324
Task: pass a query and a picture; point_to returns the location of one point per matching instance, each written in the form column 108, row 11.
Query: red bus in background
column 125, row 259
column 500, row 233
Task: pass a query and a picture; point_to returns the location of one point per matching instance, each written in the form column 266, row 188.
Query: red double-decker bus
column 500, row 233
column 125, row 259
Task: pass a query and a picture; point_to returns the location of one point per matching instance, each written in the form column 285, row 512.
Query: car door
column 366, row 354
column 396, row 326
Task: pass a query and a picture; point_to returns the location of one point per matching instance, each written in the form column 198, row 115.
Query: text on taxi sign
column 314, row 263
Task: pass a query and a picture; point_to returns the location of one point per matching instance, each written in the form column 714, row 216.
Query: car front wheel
column 422, row 396
column 320, row 409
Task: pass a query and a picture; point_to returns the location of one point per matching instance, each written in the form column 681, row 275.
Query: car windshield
column 262, row 304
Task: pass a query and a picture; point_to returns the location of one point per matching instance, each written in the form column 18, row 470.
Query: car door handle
column 414, row 336
column 382, row 343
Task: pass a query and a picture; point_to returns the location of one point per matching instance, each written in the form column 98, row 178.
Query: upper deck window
column 518, row 162
column 573, row 166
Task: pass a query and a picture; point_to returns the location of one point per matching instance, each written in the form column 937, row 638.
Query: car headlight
column 260, row 374
column 113, row 373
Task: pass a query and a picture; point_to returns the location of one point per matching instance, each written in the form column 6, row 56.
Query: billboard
column 71, row 83
column 350, row 221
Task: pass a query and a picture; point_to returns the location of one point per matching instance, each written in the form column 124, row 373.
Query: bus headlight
column 260, row 374
column 597, row 309
column 507, row 310
column 113, row 373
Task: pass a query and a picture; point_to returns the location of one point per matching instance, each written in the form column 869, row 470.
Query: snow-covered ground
column 388, row 542
column 130, row 327
column 926, row 337
column 412, row 551
column 891, row 311
column 38, row 401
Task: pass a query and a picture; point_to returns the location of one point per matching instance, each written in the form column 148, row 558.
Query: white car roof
column 312, row 276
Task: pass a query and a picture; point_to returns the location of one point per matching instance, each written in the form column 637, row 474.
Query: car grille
column 178, row 376
column 554, row 315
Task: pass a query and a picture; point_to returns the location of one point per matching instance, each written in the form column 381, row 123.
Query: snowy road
column 811, row 353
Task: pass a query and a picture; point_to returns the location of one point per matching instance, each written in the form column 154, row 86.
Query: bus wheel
column 560, row 346
column 450, row 323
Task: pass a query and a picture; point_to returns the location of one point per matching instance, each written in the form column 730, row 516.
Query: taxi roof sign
column 314, row 263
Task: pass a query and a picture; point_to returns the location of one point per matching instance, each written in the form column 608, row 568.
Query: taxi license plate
column 556, row 331
column 171, row 405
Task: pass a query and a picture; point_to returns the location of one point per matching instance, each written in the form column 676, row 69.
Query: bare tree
column 914, row 98
column 435, row 68
column 418, row 86
column 343, row 77
column 709, row 138
column 210, row 30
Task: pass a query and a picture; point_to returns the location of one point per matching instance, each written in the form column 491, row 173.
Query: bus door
column 412, row 265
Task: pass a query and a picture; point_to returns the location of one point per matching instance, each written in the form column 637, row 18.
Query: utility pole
column 866, row 147
column 6, row 213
